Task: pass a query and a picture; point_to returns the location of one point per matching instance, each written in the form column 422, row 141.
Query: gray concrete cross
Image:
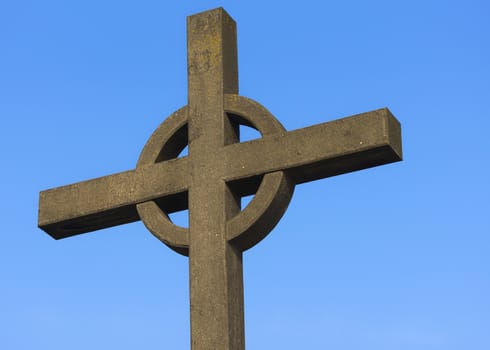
column 217, row 172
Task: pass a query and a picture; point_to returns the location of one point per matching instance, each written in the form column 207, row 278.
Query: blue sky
column 394, row 257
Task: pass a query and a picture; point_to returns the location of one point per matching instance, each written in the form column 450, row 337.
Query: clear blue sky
column 394, row 257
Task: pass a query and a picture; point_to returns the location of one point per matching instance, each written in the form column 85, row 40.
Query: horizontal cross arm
column 111, row 200
column 344, row 145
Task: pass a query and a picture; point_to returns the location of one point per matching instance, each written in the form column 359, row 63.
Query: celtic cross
column 215, row 174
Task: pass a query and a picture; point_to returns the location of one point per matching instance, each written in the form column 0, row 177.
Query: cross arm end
column 87, row 206
column 328, row 149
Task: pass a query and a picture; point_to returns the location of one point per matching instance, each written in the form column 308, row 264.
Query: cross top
column 217, row 172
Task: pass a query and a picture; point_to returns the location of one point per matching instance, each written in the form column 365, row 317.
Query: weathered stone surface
column 216, row 173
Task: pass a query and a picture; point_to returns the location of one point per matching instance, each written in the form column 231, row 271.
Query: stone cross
column 217, row 172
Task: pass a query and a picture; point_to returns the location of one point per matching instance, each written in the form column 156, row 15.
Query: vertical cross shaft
column 216, row 278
